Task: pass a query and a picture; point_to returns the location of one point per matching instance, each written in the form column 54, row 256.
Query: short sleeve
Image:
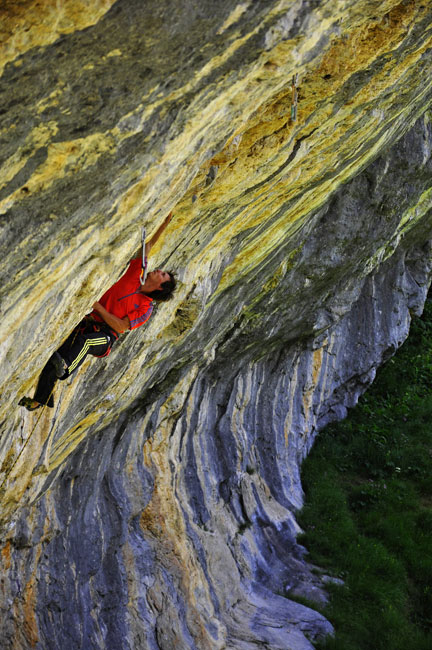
column 140, row 315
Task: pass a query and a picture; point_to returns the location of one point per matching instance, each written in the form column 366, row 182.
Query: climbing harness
column 143, row 258
column 294, row 97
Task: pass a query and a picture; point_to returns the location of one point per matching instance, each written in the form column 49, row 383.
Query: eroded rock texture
column 155, row 506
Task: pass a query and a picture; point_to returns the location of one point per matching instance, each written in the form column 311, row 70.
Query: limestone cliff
column 154, row 507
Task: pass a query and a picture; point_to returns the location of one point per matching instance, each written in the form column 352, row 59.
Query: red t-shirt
column 124, row 298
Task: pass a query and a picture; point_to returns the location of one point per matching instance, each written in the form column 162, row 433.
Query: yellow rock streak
column 25, row 24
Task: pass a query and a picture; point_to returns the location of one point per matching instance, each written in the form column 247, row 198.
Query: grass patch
column 368, row 509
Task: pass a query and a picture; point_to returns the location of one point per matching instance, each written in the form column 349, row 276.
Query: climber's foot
column 29, row 403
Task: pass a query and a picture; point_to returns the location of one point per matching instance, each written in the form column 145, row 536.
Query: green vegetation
column 368, row 515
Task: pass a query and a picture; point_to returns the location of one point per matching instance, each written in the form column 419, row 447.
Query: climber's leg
column 45, row 387
column 83, row 341
column 71, row 354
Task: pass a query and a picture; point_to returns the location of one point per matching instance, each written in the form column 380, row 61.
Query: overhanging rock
column 155, row 506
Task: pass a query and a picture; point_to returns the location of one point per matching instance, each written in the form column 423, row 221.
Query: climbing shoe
column 59, row 364
column 29, row 403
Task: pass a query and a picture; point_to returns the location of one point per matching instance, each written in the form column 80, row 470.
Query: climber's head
column 159, row 285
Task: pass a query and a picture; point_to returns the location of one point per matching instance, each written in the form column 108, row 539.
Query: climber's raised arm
column 152, row 241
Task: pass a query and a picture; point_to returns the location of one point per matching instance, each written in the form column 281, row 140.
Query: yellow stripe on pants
column 85, row 350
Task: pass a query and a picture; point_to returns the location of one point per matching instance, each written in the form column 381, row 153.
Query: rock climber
column 128, row 304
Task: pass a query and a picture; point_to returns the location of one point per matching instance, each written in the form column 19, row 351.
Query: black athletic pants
column 86, row 338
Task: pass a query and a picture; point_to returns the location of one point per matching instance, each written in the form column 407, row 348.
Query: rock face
column 154, row 507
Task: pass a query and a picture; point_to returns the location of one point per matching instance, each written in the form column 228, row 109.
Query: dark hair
column 167, row 290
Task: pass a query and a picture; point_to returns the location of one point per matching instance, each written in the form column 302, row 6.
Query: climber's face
column 159, row 277
column 155, row 280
